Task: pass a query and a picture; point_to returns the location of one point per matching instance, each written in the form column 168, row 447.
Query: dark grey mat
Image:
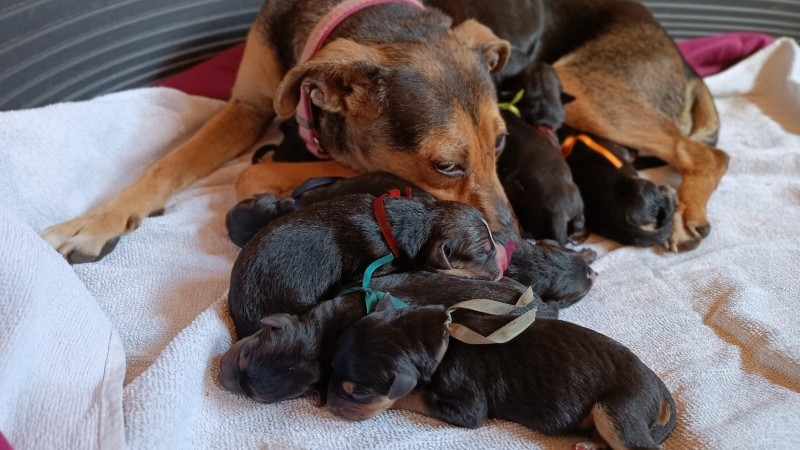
column 60, row 50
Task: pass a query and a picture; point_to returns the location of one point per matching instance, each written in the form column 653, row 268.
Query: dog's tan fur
column 262, row 89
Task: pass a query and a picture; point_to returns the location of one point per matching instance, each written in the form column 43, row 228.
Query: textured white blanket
column 718, row 324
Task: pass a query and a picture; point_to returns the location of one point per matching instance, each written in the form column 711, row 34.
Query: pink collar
column 319, row 34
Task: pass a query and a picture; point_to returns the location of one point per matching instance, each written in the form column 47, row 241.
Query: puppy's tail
column 664, row 422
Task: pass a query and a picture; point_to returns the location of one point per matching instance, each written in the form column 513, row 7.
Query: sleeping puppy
column 555, row 273
column 290, row 356
column 555, row 377
column 248, row 216
column 303, row 257
column 618, row 204
column 535, row 177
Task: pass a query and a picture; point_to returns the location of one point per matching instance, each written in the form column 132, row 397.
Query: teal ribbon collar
column 372, row 297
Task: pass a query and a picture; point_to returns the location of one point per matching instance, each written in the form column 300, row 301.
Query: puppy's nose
column 502, row 259
column 229, row 371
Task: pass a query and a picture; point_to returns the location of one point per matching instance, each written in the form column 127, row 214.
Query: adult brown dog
column 412, row 92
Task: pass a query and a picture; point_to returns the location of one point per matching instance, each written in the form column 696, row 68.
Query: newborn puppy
column 618, row 204
column 539, row 184
column 556, row 377
column 536, row 179
column 250, row 215
column 555, row 273
column 303, row 257
column 290, row 356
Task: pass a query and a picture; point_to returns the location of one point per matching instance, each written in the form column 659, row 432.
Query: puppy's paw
column 91, row 237
column 588, row 255
column 249, row 216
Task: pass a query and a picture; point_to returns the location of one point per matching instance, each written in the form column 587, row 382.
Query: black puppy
column 291, row 355
column 303, row 257
column 536, row 179
column 618, row 204
column 250, row 215
column 556, row 377
column 554, row 273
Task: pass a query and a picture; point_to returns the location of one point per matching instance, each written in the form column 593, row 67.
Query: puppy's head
column 276, row 363
column 423, row 109
column 562, row 275
column 462, row 244
column 383, row 357
column 642, row 210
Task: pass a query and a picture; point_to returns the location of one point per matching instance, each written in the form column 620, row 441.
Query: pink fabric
column 214, row 77
column 4, row 445
column 716, row 53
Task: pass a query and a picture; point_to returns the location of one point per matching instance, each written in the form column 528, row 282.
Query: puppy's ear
column 279, row 321
column 567, row 98
column 495, row 51
column 402, row 385
column 439, row 256
column 385, row 303
column 344, row 77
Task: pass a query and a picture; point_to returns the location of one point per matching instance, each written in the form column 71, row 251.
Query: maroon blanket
column 214, row 77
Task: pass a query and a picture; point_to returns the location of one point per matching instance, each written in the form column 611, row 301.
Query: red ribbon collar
column 379, row 208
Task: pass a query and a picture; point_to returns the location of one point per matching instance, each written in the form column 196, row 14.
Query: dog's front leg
column 90, row 237
column 231, row 131
column 279, row 178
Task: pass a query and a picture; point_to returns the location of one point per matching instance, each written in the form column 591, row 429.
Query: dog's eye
column 500, row 142
column 450, row 169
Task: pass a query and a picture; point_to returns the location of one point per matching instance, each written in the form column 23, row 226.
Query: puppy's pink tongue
column 502, row 258
column 509, row 248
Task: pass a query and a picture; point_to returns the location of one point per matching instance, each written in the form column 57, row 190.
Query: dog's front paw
column 689, row 228
column 91, row 237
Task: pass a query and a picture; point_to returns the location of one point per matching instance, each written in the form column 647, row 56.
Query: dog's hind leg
column 705, row 119
column 621, row 425
column 626, row 119
column 229, row 132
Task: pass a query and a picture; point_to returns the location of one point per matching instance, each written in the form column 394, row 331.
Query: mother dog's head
column 422, row 109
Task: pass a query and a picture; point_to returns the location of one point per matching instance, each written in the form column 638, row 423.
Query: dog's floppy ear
column 439, row 256
column 344, row 77
column 402, row 385
column 279, row 321
column 495, row 51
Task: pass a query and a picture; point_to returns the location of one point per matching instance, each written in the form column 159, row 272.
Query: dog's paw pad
column 703, row 230
column 78, row 257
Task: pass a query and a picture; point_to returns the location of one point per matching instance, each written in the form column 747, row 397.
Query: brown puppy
column 555, row 377
column 403, row 90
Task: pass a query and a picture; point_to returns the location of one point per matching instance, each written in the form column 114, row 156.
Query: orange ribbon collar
column 569, row 143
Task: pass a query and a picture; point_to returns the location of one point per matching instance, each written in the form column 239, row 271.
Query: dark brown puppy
column 301, row 258
column 555, row 377
column 555, row 273
column 290, row 355
column 539, row 184
column 618, row 203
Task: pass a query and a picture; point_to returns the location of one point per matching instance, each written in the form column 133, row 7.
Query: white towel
column 61, row 361
column 717, row 324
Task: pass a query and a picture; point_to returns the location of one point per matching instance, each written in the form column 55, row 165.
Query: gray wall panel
column 57, row 50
